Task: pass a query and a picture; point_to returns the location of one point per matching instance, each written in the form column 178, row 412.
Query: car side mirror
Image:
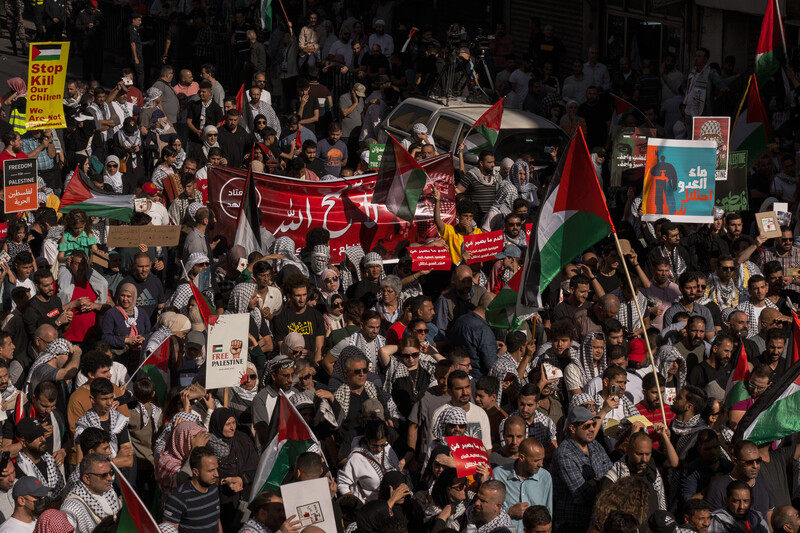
column 470, row 158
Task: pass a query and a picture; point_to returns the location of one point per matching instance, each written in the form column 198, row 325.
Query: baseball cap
column 30, row 429
column 636, row 350
column 373, row 407
column 510, row 250
column 662, row 522
column 195, row 339
column 580, row 414
column 29, row 486
column 360, row 90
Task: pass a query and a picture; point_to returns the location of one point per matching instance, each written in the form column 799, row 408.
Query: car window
column 514, row 143
column 407, row 115
column 444, row 132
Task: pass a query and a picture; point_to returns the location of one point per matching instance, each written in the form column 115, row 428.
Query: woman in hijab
column 329, row 283
column 177, row 145
column 242, row 395
column 294, row 346
column 373, row 517
column 111, row 174
column 334, row 317
column 244, row 299
column 286, row 247
column 238, row 460
column 210, row 140
column 184, row 437
column 449, row 498
column 395, row 491
column 520, row 177
column 125, row 327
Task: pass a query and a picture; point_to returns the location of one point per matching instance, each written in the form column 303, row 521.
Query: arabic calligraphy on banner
column 732, row 194
column 484, row 246
column 679, row 180
column 429, row 258
column 294, row 207
column 19, row 185
column 628, row 154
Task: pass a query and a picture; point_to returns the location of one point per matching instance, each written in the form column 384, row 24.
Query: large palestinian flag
column 502, row 311
column 751, row 128
column 400, row 181
column 288, row 437
column 573, row 217
column 96, row 203
column 736, row 388
column 774, row 414
column 486, row 129
column 770, row 45
column 248, row 225
column 134, row 516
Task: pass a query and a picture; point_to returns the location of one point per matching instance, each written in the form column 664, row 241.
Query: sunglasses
column 112, row 165
column 425, row 331
column 728, row 269
column 261, row 121
column 410, row 355
column 251, row 377
column 513, row 224
column 297, row 351
column 459, row 486
column 587, row 426
column 337, row 305
column 359, row 371
column 752, row 462
column 787, row 240
column 212, row 135
column 701, row 287
column 108, row 474
column 332, row 279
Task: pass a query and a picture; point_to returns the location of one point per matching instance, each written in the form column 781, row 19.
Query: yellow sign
column 47, row 76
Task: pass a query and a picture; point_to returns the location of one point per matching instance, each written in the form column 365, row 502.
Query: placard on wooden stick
column 768, row 224
column 132, row 236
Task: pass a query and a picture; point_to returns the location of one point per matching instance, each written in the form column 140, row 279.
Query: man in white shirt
column 460, row 391
column 29, row 502
column 519, row 79
column 382, row 39
column 596, row 72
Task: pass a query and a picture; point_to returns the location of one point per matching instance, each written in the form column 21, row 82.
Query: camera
column 454, row 33
column 480, row 45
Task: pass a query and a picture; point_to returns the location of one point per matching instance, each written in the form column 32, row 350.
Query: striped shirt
column 204, row 515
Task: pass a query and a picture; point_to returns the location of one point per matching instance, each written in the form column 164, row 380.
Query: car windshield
column 514, row 143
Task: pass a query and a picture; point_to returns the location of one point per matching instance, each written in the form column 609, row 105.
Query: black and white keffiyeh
column 621, row 470
column 58, row 347
column 180, row 298
column 586, row 359
column 449, row 415
column 54, row 480
column 397, row 370
column 725, row 295
column 664, row 358
column 342, row 395
column 91, row 419
column 499, row 523
column 86, row 509
column 155, row 413
column 355, row 254
column 286, row 247
column 254, row 526
column 239, row 301
column 687, row 434
column 369, row 349
column 163, row 439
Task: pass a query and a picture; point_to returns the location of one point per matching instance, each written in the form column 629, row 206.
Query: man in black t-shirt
column 149, row 288
column 45, row 306
column 298, row 317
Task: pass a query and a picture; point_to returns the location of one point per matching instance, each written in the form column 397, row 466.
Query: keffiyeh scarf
column 620, row 470
column 397, row 370
column 85, row 507
column 677, row 265
column 449, row 415
column 355, row 254
column 155, row 413
column 54, row 478
column 342, row 396
column 500, row 522
column 687, row 433
column 254, row 526
column 380, row 463
column 357, row 339
column 664, row 358
column 91, row 419
column 725, row 295
column 57, row 347
column 586, row 360
column 286, row 247
column 239, row 301
column 527, row 189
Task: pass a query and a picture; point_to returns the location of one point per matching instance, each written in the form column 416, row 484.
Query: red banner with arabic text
column 468, row 453
column 292, row 208
column 483, row 246
column 430, row 258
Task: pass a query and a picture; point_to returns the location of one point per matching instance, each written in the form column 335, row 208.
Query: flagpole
column 289, row 23
column 641, row 319
column 780, row 23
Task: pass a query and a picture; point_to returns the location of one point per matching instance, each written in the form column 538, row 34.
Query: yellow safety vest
column 17, row 121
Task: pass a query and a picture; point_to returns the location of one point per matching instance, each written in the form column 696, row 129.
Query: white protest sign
column 226, row 350
column 310, row 501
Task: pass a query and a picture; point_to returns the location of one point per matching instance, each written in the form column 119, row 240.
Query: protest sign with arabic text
column 679, row 181
column 429, row 258
column 468, row 453
column 628, row 154
column 20, row 192
column 732, row 194
column 483, row 246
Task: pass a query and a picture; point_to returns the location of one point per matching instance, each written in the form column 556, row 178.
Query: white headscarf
column 115, row 179
column 207, row 145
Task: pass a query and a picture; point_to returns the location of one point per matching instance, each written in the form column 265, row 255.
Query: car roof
column 512, row 118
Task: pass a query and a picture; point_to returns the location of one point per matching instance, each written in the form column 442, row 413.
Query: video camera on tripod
column 454, row 35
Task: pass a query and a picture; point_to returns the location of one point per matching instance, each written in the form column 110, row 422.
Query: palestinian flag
column 266, row 15
column 240, row 100
column 400, row 181
column 501, row 313
column 573, row 217
column 45, row 51
column 248, row 225
column 97, row 203
column 134, row 517
column 486, row 129
column 751, row 128
column 287, row 438
column 736, row 389
column 19, row 408
column 770, row 46
column 795, row 338
column 408, row 41
column 155, row 367
column 204, row 306
column 773, row 416
column 622, row 108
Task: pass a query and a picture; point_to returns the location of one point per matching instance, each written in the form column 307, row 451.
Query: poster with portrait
column 732, row 194
column 628, row 154
column 310, row 502
column 679, row 180
column 226, row 350
column 718, row 131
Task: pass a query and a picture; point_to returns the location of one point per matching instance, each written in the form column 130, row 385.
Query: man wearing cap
column 34, row 461
column 158, row 214
column 419, row 135
column 382, row 39
column 504, row 268
column 30, row 500
column 92, row 498
column 527, row 483
column 578, row 465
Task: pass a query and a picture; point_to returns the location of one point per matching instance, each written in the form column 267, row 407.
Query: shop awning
column 751, row 7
